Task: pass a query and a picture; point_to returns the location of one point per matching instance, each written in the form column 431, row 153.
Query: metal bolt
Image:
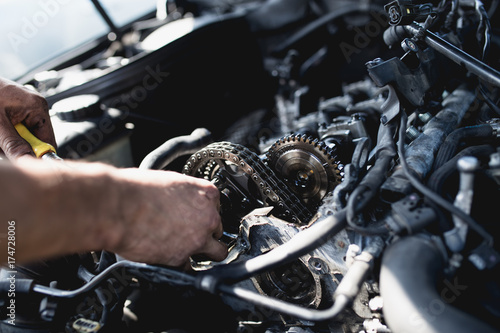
column 412, row 133
column 383, row 119
column 302, row 176
column 425, row 117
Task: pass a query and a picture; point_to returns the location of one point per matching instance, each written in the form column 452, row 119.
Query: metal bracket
column 391, row 106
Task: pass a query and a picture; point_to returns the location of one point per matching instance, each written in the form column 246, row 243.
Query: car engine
column 355, row 145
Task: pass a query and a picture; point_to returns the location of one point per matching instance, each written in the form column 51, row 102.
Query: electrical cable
column 368, row 188
column 344, row 295
column 341, row 302
column 153, row 273
column 488, row 100
column 443, row 203
column 484, row 24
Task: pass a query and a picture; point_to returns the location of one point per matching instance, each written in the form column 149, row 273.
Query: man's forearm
column 56, row 209
column 151, row 216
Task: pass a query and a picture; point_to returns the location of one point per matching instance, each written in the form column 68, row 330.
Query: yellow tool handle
column 39, row 147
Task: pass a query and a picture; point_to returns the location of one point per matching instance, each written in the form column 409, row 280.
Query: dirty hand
column 170, row 217
column 20, row 104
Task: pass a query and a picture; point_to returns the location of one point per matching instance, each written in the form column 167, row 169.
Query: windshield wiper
column 106, row 18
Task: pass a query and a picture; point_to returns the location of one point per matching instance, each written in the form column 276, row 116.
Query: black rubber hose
column 176, row 147
column 432, row 196
column 394, row 35
column 300, row 244
column 344, row 295
column 420, row 153
column 453, row 140
column 409, row 275
column 439, row 176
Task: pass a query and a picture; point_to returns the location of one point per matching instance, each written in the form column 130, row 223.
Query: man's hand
column 151, row 216
column 20, row 104
column 170, row 217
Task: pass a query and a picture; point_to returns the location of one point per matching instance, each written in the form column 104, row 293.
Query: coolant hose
column 420, row 154
column 409, row 274
column 450, row 145
column 394, row 35
column 176, row 147
column 440, row 175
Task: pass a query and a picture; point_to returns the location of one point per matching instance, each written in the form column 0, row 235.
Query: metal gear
column 246, row 181
column 307, row 165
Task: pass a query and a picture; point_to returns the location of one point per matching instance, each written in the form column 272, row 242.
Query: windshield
column 35, row 31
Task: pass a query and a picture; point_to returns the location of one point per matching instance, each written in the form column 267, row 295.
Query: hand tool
column 41, row 149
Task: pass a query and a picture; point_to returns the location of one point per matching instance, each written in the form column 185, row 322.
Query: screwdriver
column 41, row 149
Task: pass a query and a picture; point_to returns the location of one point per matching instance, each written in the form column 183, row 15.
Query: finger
column 215, row 250
column 38, row 121
column 214, row 195
column 219, row 231
column 187, row 266
column 42, row 129
column 210, row 190
column 11, row 143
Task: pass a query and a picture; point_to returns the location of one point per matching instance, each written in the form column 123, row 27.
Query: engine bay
column 355, row 145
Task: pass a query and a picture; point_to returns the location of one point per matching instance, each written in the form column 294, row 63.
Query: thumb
column 11, row 143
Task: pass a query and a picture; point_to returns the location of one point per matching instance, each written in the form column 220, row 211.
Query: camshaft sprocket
column 307, row 165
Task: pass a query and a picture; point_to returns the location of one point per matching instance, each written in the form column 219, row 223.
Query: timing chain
column 269, row 185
